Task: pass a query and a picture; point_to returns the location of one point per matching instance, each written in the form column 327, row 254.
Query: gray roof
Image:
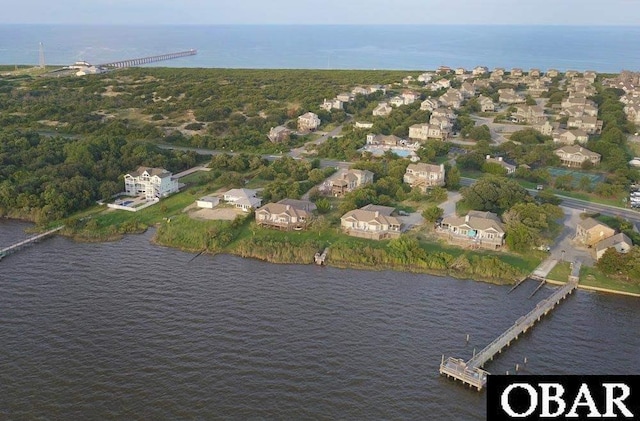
column 612, row 241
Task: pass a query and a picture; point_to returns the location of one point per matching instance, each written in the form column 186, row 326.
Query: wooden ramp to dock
column 15, row 247
column 470, row 372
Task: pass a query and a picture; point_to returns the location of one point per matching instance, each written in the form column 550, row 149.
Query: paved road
column 582, row 205
column 300, row 152
column 497, row 129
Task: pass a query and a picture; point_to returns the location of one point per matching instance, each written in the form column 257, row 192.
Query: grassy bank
column 592, row 277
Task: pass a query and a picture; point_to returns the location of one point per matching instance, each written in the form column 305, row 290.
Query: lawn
column 591, row 276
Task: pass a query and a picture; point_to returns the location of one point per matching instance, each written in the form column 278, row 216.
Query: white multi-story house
column 575, row 156
column 430, row 104
column 150, row 182
column 372, row 221
column 483, row 229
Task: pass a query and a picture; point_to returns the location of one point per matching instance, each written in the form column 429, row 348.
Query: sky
column 526, row 12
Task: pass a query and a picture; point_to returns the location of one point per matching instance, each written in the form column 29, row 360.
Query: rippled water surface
column 128, row 330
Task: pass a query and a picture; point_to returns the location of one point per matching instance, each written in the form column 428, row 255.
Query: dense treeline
column 45, row 178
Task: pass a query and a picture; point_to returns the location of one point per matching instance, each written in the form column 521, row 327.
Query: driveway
column 563, row 248
column 449, row 206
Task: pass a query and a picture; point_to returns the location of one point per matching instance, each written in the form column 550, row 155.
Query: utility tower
column 42, row 63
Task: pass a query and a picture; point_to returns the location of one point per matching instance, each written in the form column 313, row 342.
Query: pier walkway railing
column 15, row 247
column 470, row 372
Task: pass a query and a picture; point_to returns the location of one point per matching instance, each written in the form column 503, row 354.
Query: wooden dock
column 471, row 372
column 18, row 246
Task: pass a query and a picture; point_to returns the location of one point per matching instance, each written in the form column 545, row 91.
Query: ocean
column 410, row 47
column 129, row 330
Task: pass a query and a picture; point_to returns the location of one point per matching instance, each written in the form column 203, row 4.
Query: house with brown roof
column 589, row 232
column 350, row 181
column 509, row 96
column 481, row 229
column 452, row 98
column 553, row 73
column 331, row 104
column 516, row 72
column 424, row 176
column 575, row 156
column 279, row 134
column 480, row 70
column 308, row 122
column 371, row 221
column 620, row 242
column 534, row 72
column 244, row 199
column 283, row 216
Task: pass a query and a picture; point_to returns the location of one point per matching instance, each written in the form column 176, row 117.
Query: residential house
column 279, row 134
column 452, row 98
column 537, row 88
column 500, row 161
column 482, row 84
column 332, row 104
column 482, row 229
column 444, row 70
column 516, row 72
column 382, row 110
column 441, row 121
column 486, row 104
column 534, row 72
column 633, row 113
column 308, row 122
column 576, row 155
column 444, row 112
column 570, row 74
column 283, row 216
column 363, row 125
column 377, row 88
column 546, row 128
column 380, row 139
column 153, row 183
column 360, row 90
column 410, row 97
column 498, row 71
column 553, row 73
column 397, row 101
column 590, row 76
column 479, row 71
column 468, row 89
column 425, row 77
column 442, row 84
column 345, row 97
column 244, row 199
column 299, row 204
column 408, row 80
column 424, row 176
column 570, row 137
column 589, row 232
column 350, row 181
column 620, row 242
column 509, row 96
column 460, row 71
column 587, row 123
column 430, row 104
column 371, row 221
column 427, row 131
column 531, row 114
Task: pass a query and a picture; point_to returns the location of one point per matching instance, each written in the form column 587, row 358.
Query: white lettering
column 547, row 398
column 533, row 400
column 611, row 401
column 584, row 399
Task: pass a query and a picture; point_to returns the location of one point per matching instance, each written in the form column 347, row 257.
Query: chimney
column 580, row 148
column 377, row 214
column 288, row 207
column 466, row 218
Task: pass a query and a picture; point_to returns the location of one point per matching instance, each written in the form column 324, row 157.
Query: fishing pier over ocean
column 471, row 372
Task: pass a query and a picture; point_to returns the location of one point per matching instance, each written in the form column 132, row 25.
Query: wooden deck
column 15, row 247
column 471, row 372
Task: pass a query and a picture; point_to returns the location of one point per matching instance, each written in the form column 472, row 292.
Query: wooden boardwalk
column 470, row 372
column 15, row 247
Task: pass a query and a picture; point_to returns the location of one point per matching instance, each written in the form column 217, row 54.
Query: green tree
column 494, row 194
column 432, row 213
